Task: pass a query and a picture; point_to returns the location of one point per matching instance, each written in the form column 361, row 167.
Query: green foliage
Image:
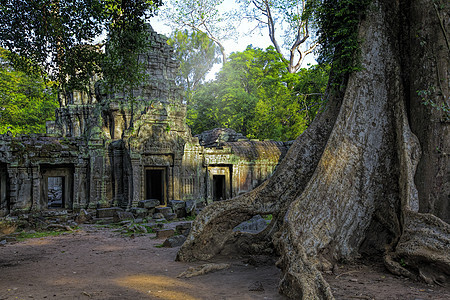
column 56, row 37
column 26, row 101
column 24, row 235
column 127, row 38
column 256, row 95
column 338, row 22
column 190, row 218
column 197, row 54
column 268, row 217
column 427, row 100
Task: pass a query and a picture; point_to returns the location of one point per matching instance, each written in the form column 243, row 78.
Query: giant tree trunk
column 347, row 187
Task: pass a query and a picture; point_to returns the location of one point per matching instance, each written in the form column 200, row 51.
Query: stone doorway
column 155, row 184
column 56, row 186
column 55, row 192
column 219, row 187
column 219, row 183
column 4, row 187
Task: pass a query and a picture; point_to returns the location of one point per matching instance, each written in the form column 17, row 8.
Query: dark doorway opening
column 219, row 190
column 55, row 192
column 154, row 185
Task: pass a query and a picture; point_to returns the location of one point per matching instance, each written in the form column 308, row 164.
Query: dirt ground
column 98, row 263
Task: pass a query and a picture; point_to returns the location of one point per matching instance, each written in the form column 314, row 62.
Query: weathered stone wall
column 109, row 151
column 26, row 163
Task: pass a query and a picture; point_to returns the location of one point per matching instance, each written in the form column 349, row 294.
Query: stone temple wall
column 104, row 151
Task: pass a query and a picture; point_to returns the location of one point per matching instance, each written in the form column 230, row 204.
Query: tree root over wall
column 345, row 186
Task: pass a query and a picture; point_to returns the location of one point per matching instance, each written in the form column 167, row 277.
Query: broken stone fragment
column 177, row 204
column 164, row 233
column 178, row 207
column 158, row 216
column 139, row 212
column 190, row 206
column 183, row 228
column 174, row 241
column 165, row 211
column 83, row 217
column 107, row 212
column 122, row 215
column 171, row 217
column 149, row 203
column 254, row 225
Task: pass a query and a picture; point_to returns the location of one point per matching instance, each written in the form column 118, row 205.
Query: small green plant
column 190, row 218
column 159, row 246
column 427, row 101
column 32, row 235
column 402, row 263
column 268, row 217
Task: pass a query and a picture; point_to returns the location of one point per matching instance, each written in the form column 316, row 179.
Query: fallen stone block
column 178, row 207
column 254, row 225
column 122, row 215
column 139, row 212
column 190, row 206
column 174, row 241
column 171, row 217
column 164, row 233
column 107, row 212
column 149, row 203
column 164, row 210
column 177, row 204
column 183, row 228
column 158, row 216
column 83, row 217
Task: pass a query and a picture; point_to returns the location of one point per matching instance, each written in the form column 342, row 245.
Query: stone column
column 12, row 173
column 136, row 180
column 36, row 189
column 176, row 195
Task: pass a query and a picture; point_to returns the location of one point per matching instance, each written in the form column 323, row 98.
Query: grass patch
column 22, row 236
column 190, row 218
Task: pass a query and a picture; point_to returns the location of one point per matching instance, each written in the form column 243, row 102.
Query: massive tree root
column 345, row 187
column 272, row 197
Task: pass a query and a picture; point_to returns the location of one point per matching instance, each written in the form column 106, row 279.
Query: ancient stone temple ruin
column 104, row 150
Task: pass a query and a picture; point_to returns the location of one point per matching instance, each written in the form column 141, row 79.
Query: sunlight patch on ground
column 36, row 242
column 158, row 286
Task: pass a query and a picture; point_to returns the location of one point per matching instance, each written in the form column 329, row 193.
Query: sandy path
column 98, row 263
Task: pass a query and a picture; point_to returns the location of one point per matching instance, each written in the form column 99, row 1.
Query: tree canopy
column 255, row 94
column 197, row 54
column 57, row 37
column 26, row 101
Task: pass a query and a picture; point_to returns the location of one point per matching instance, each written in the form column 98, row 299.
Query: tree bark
column 347, row 185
